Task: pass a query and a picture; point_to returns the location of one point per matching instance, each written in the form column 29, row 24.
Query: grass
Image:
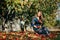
column 57, row 38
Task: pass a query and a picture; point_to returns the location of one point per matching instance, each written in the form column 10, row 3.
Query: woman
column 37, row 24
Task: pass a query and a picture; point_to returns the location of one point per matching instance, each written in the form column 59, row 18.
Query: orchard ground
column 28, row 36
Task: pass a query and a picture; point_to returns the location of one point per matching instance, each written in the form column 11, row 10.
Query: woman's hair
column 39, row 10
column 41, row 14
column 36, row 14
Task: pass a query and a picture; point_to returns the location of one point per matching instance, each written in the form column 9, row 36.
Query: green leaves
column 30, row 7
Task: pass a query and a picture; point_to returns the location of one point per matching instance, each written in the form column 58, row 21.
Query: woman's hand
column 35, row 26
column 38, row 26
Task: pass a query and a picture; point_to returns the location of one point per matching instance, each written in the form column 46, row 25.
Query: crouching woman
column 37, row 24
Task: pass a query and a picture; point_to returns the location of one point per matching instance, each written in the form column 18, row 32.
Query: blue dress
column 42, row 30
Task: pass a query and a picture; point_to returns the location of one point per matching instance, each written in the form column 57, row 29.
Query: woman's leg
column 37, row 30
column 44, row 31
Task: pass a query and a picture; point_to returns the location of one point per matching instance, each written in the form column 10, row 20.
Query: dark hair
column 38, row 11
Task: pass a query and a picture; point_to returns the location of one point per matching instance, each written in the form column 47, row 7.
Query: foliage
column 28, row 8
column 58, row 23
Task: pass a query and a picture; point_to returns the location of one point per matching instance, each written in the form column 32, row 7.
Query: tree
column 28, row 8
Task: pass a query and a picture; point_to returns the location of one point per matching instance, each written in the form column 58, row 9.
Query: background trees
column 27, row 8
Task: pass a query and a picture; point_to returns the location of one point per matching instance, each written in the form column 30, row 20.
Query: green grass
column 58, row 38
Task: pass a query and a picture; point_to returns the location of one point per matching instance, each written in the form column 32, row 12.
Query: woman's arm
column 35, row 26
column 33, row 23
column 41, row 19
